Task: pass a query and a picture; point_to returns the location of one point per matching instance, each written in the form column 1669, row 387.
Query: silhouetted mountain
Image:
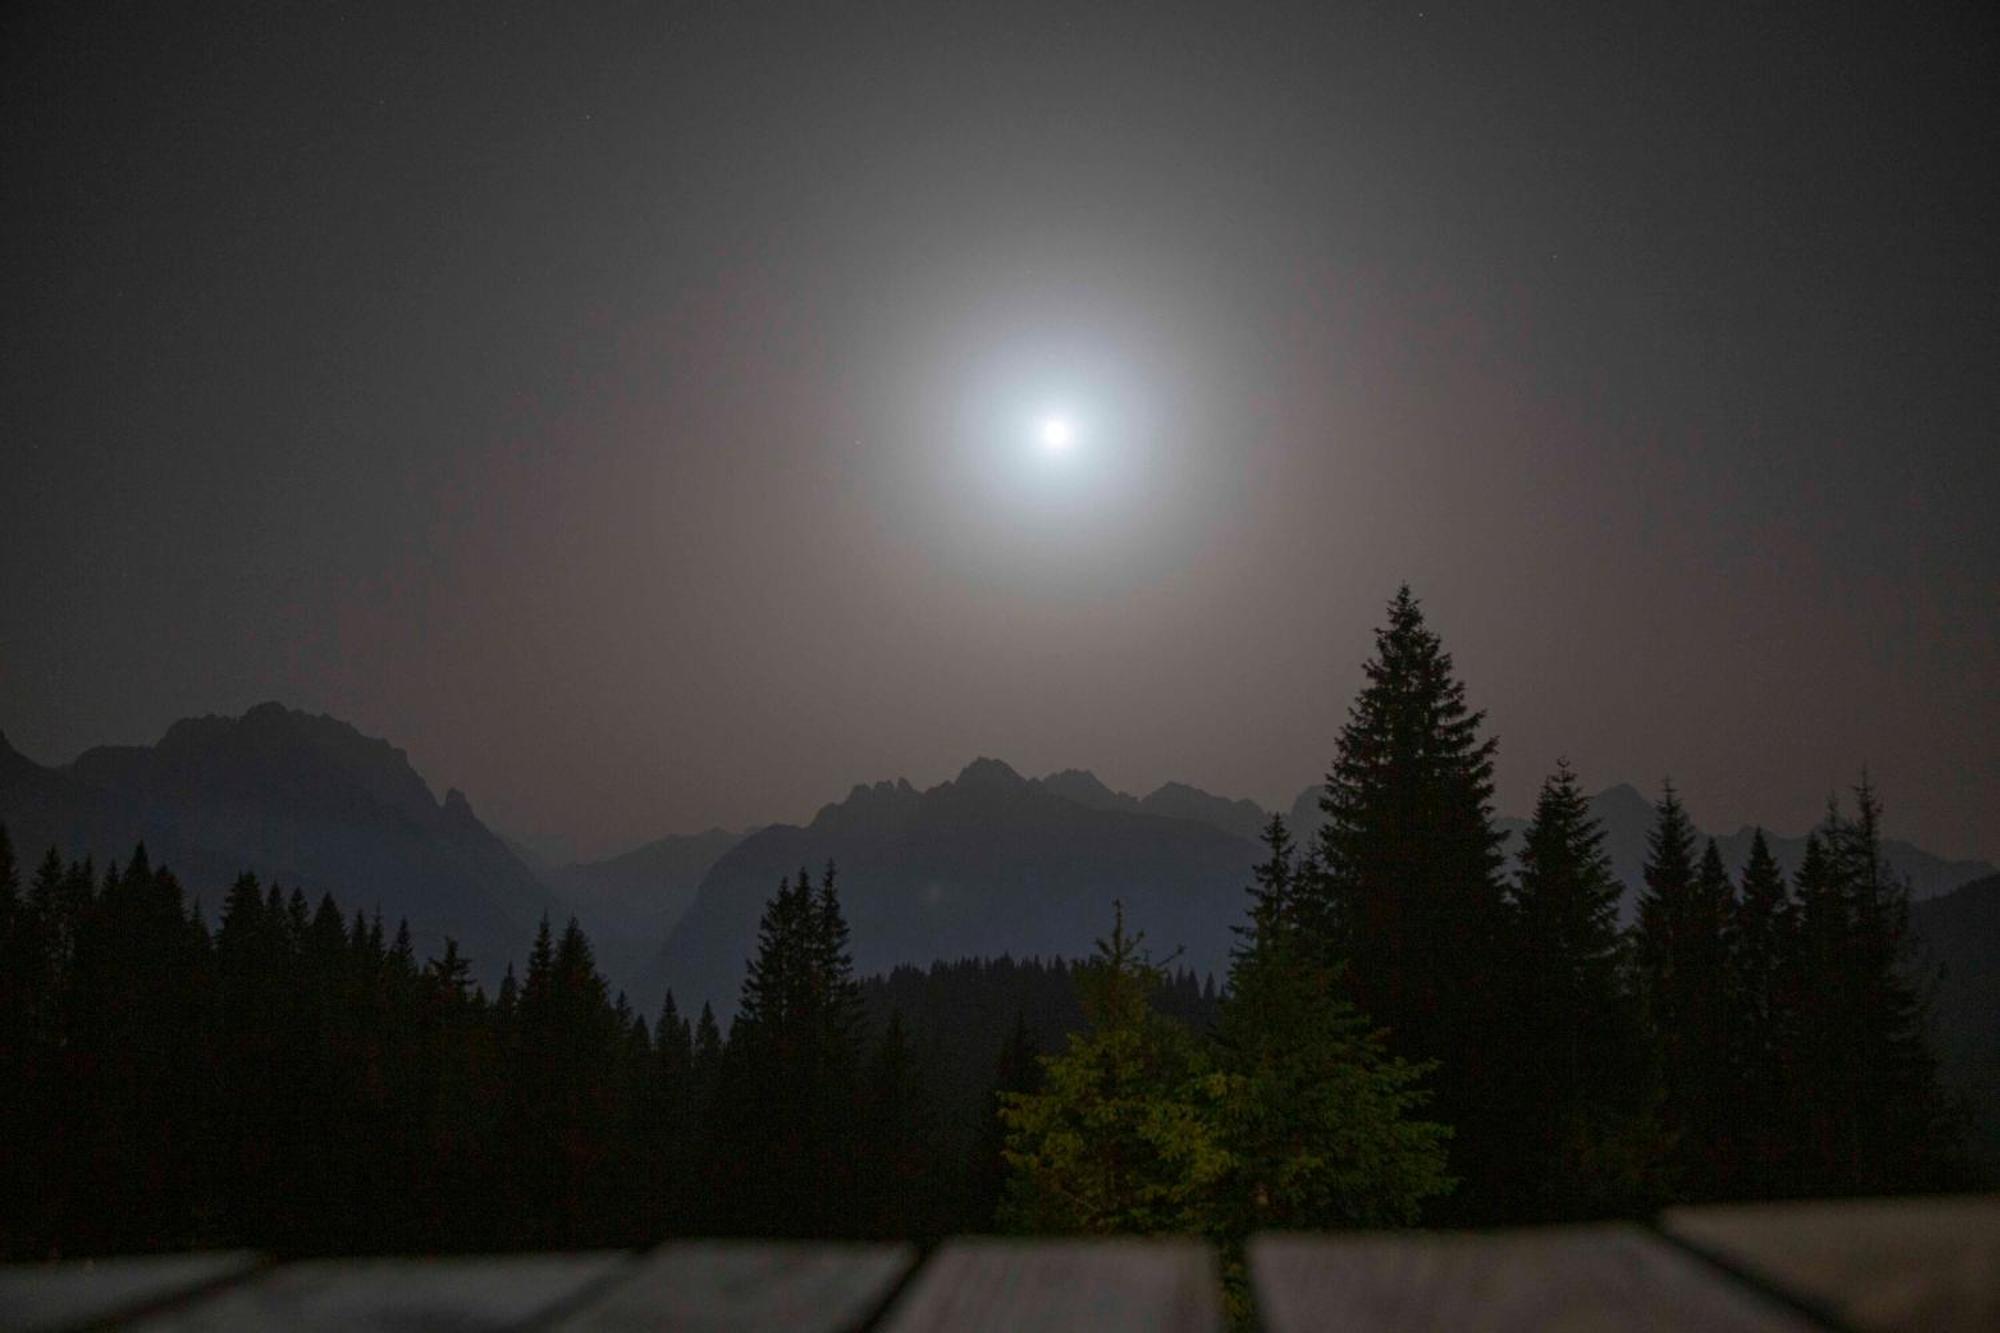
column 629, row 903
column 995, row 863
column 1959, row 934
column 307, row 801
column 1172, row 800
column 985, row 864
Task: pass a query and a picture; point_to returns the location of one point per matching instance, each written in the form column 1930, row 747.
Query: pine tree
column 1686, row 924
column 1594, row 1142
column 670, row 1131
column 1405, row 888
column 1886, row 1129
column 1125, row 1136
column 1819, row 1068
column 1273, row 893
column 1016, row 1073
column 1320, row 1125
column 784, row 1114
column 897, row 1141
column 1766, row 930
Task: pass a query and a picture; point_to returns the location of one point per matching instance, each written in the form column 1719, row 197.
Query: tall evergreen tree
column 1274, row 892
column 1321, row 1126
column 1405, row 888
column 1686, row 924
column 784, row 1117
column 1017, row 1073
column 1124, row 1137
column 1766, row 930
column 897, row 1141
column 1864, row 1029
column 1594, row 1144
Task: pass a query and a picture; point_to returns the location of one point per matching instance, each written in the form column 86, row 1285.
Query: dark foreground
column 1930, row 1264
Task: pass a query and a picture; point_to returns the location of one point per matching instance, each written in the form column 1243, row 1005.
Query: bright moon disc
column 1056, row 434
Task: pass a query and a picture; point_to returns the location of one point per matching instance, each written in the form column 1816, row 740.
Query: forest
column 1410, row 1031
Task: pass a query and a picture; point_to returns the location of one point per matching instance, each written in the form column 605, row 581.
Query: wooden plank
column 1110, row 1286
column 463, row 1294
column 743, row 1286
column 1574, row 1278
column 38, row 1297
column 1876, row 1264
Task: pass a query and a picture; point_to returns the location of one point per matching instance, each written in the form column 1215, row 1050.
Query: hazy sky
column 630, row 409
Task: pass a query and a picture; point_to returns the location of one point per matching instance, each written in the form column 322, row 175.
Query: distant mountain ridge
column 314, row 803
column 1171, row 800
column 987, row 863
column 306, row 801
column 904, row 852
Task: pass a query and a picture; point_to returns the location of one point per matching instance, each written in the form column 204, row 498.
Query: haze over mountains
column 991, row 862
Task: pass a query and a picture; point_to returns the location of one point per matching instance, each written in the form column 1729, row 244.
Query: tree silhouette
column 1593, row 1143
column 1405, row 889
column 1685, row 936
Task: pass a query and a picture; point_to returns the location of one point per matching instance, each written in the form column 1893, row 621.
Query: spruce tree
column 1017, row 1072
column 1274, row 903
column 1819, row 1064
column 1888, row 1129
column 1594, row 1144
column 1321, row 1126
column 1125, row 1135
column 1686, row 924
column 897, row 1141
column 1405, row 889
column 784, row 1117
column 1766, row 928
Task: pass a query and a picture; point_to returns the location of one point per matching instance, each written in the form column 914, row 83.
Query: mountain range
column 304, row 801
column 986, row 863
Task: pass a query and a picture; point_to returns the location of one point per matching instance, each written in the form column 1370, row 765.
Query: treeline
column 1409, row 1031
column 298, row 1080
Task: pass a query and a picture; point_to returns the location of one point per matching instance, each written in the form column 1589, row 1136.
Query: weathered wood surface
column 1073, row 1286
column 747, row 1287
column 1877, row 1264
column 461, row 1294
column 39, row 1297
column 1611, row 1277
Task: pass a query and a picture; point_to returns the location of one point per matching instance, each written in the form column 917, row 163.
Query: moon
column 1056, row 434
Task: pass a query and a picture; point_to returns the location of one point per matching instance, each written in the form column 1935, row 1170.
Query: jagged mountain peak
column 268, row 743
column 869, row 803
column 991, row 774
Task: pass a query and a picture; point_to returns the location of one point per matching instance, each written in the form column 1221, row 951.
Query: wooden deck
column 1918, row 1264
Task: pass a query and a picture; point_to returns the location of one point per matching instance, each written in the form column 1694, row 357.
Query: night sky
column 631, row 409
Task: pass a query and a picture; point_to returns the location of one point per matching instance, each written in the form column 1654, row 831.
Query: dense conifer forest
column 1405, row 1034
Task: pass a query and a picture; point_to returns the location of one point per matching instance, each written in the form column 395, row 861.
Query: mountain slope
column 985, row 864
column 629, row 903
column 306, row 801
